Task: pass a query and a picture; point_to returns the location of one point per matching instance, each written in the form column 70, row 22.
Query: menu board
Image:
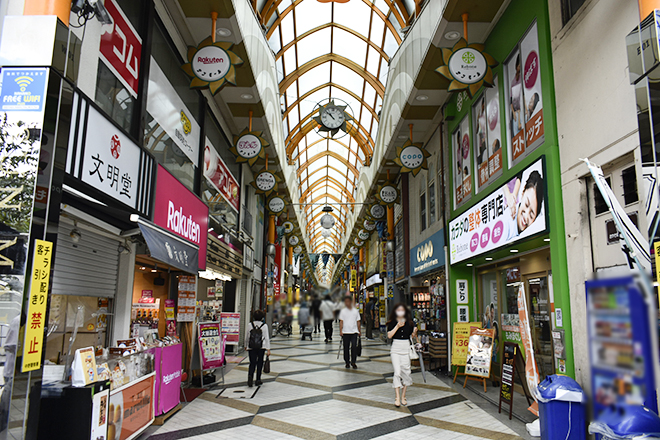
column 231, row 323
column 480, row 352
column 508, row 372
column 460, row 340
column 211, row 345
column 186, row 305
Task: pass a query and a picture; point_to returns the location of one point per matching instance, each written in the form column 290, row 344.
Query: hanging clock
column 333, row 116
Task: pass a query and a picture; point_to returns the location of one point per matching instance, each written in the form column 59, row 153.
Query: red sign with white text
column 180, row 211
column 219, row 175
column 121, row 48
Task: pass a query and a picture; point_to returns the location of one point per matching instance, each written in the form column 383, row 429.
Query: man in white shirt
column 349, row 330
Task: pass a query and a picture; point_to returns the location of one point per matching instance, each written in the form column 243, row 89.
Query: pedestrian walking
column 257, row 343
column 369, row 316
column 349, row 330
column 303, row 316
column 328, row 316
column 316, row 313
column 401, row 330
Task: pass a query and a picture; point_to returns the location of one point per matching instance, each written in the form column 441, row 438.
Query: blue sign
column 428, row 255
column 23, row 89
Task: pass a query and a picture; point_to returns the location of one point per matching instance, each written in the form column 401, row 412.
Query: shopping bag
column 267, row 365
column 359, row 347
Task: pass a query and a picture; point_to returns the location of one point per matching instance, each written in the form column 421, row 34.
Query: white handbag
column 412, row 352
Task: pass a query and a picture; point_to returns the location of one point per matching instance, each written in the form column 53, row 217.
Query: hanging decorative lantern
column 327, row 220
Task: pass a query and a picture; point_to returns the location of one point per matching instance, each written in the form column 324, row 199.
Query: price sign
column 460, row 342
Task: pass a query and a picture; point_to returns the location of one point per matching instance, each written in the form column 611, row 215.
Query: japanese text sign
column 460, row 341
column 23, row 90
column 121, row 48
column 211, row 345
column 38, row 300
column 512, row 212
column 462, row 292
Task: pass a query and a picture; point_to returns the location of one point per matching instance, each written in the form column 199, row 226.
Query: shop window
column 569, row 8
column 422, row 208
column 629, row 177
column 600, row 206
column 113, row 98
column 432, row 207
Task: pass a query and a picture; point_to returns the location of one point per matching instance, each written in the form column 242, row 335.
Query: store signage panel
column 178, row 210
column 121, row 48
column 428, row 255
column 102, row 156
column 169, row 111
column 461, row 150
column 216, row 172
column 514, row 211
column 169, row 250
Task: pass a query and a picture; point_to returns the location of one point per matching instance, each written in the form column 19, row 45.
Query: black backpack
column 256, row 338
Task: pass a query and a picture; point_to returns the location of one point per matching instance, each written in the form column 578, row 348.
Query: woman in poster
column 482, row 155
column 522, row 208
column 515, row 93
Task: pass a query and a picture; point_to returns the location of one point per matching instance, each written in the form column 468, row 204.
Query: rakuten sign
column 178, row 210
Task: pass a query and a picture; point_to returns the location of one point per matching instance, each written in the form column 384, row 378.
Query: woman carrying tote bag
column 401, row 329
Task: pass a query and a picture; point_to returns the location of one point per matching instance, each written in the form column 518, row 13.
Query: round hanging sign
column 326, row 233
column 211, row 63
column 377, row 211
column 293, row 240
column 358, row 242
column 467, row 65
column 354, row 250
column 412, row 157
column 388, row 194
column 369, row 225
column 248, row 146
column 276, row 204
column 288, row 227
column 297, row 250
column 265, row 180
column 363, row 235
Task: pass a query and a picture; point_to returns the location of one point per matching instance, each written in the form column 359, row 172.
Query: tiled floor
column 310, row 395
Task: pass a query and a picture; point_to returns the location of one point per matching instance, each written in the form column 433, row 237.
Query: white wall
column 596, row 118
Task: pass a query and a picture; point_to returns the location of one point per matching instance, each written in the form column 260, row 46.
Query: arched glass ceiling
column 331, row 50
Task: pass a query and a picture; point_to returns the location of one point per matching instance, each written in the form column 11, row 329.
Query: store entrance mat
column 242, row 392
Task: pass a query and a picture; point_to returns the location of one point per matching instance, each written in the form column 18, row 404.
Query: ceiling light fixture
column 247, row 96
column 327, row 221
column 489, row 259
column 422, row 98
column 546, row 240
column 223, row 32
column 453, row 35
column 469, row 265
column 75, row 233
column 514, row 251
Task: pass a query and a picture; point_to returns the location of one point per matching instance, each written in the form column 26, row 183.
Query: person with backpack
column 257, row 343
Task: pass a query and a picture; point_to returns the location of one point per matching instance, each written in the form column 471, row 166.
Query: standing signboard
column 480, row 352
column 460, row 340
column 231, row 327
column 211, row 345
column 131, row 409
column 508, row 372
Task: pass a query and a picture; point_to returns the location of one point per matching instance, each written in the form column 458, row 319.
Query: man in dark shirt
column 369, row 316
column 316, row 313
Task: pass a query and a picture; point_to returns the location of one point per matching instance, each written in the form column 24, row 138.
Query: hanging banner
column 462, row 164
column 512, row 212
column 211, row 345
column 460, row 341
column 523, row 90
column 531, row 370
column 353, row 280
column 480, row 352
column 412, row 157
column 211, row 65
column 249, row 146
column 388, row 194
column 265, row 182
column 36, row 312
column 276, row 205
column 216, row 172
column 487, row 141
column 467, row 66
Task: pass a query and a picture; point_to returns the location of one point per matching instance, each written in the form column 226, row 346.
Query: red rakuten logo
column 212, row 60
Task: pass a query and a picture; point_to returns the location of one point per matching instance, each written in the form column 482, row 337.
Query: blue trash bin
column 625, row 422
column 561, row 409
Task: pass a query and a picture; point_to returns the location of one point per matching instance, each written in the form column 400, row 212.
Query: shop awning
column 169, row 248
column 374, row 280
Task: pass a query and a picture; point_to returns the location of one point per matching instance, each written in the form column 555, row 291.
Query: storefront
column 506, row 233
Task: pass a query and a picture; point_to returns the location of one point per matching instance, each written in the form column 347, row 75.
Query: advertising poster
column 211, row 346
column 460, row 341
column 168, row 369
column 231, row 327
column 487, row 140
column 531, row 370
column 512, row 212
column 524, row 98
column 186, row 299
column 460, row 141
column 131, row 409
column 480, row 352
column 216, row 172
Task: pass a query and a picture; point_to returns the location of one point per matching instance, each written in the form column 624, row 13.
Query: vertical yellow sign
column 353, row 280
column 656, row 248
column 36, row 312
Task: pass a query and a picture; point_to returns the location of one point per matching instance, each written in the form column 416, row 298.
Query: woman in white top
column 257, row 343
